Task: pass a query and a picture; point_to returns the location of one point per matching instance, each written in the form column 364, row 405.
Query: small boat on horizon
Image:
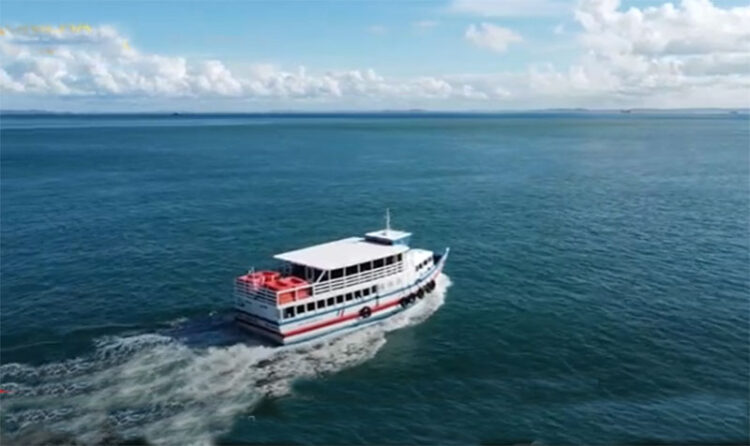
column 336, row 286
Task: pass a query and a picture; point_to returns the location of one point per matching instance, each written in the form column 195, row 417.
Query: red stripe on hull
column 346, row 318
column 336, row 321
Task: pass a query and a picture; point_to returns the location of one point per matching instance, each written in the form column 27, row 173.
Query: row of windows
column 362, row 267
column 305, row 272
column 423, row 264
column 323, row 303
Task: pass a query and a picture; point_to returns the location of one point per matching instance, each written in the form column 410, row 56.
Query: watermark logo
column 31, row 30
column 32, row 33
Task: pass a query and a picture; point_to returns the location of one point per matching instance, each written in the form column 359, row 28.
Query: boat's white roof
column 341, row 253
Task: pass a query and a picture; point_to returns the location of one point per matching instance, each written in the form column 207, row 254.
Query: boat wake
column 166, row 390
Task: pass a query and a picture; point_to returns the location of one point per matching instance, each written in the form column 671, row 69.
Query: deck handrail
column 262, row 293
column 259, row 292
column 356, row 279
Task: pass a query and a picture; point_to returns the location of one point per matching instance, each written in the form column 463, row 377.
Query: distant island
column 389, row 112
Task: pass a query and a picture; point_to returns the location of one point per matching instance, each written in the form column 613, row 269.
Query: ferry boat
column 336, row 286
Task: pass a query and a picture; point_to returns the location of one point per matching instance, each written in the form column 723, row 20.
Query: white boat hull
column 348, row 315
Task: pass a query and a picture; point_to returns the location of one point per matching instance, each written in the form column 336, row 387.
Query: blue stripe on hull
column 360, row 324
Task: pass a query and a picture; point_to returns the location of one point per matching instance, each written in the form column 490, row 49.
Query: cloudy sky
column 371, row 55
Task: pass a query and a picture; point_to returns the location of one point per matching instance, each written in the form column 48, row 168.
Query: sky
column 176, row 55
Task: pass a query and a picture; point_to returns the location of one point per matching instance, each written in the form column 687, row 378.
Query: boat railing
column 258, row 292
column 356, row 279
column 249, row 290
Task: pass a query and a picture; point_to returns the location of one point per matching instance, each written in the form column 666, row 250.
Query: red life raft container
column 268, row 276
column 259, row 278
column 279, row 287
column 284, row 288
column 296, row 282
column 246, row 280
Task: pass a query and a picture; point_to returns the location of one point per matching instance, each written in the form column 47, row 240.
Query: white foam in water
column 155, row 387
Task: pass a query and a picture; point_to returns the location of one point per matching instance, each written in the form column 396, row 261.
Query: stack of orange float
column 259, row 278
column 296, row 282
column 284, row 287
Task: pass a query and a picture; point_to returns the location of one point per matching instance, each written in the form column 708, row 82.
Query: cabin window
column 311, row 306
column 399, row 257
column 288, row 312
column 373, row 288
column 300, row 309
column 351, row 270
column 358, row 294
column 378, row 263
column 367, row 266
column 365, row 292
column 330, row 301
column 298, row 270
column 339, row 298
column 389, row 260
column 337, row 273
column 325, row 277
column 321, row 304
column 348, row 297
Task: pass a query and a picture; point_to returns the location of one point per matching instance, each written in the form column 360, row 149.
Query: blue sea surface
column 597, row 290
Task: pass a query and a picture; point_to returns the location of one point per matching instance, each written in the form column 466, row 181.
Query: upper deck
column 331, row 266
column 342, row 253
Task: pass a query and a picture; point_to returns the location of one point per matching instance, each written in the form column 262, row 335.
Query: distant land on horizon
column 384, row 112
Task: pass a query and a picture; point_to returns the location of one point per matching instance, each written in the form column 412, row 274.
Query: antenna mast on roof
column 387, row 220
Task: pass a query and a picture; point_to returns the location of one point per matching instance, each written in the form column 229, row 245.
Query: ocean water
column 597, row 290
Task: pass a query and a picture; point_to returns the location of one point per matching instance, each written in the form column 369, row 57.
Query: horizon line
column 383, row 111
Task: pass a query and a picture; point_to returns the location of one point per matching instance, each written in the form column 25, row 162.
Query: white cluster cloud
column 690, row 55
column 695, row 27
column 100, row 62
column 693, row 54
column 493, row 37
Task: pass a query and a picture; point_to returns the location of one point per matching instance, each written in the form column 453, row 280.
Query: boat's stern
column 258, row 326
column 259, row 297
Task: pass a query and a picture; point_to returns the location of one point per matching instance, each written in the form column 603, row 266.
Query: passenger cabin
column 328, row 274
column 341, row 271
column 349, row 261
